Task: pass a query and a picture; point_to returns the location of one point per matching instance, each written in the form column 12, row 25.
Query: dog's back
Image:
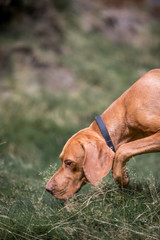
column 142, row 103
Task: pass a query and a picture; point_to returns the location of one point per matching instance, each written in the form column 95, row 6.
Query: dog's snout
column 49, row 187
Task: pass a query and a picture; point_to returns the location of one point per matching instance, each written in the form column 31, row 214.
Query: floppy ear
column 98, row 161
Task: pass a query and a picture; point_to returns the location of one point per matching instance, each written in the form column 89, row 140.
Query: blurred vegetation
column 60, row 65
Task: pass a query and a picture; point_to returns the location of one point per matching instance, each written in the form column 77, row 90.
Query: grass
column 34, row 128
column 27, row 212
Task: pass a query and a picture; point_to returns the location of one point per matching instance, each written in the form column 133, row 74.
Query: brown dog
column 133, row 122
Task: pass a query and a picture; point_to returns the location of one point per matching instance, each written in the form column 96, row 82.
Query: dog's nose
column 49, row 187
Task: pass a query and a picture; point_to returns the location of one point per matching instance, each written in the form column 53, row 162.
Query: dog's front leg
column 119, row 173
column 126, row 151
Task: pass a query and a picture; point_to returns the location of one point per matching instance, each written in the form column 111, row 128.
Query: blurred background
column 62, row 62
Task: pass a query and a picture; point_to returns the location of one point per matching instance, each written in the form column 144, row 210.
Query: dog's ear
column 98, row 161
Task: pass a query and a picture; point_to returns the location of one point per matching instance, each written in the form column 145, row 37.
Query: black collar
column 104, row 132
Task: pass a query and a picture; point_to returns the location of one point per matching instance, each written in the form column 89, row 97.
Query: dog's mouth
column 63, row 195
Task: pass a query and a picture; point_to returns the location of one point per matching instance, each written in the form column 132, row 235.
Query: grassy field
column 34, row 128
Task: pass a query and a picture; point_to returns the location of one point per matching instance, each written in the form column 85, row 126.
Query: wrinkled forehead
column 72, row 150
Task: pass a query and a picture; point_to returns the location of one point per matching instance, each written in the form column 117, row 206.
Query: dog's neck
column 115, row 122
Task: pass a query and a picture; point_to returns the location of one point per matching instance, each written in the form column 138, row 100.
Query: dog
column 133, row 123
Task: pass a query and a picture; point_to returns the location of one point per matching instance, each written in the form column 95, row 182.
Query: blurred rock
column 56, row 79
column 125, row 25
column 121, row 21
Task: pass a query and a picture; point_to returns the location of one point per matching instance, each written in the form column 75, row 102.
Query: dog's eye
column 68, row 163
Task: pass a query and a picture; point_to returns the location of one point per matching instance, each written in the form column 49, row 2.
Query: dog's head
column 85, row 158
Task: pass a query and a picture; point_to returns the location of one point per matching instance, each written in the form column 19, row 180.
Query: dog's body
column 133, row 122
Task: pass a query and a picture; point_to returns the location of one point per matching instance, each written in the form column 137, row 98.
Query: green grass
column 34, row 128
column 27, row 212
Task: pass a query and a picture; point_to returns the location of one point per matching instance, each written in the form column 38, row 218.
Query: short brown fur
column 133, row 122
